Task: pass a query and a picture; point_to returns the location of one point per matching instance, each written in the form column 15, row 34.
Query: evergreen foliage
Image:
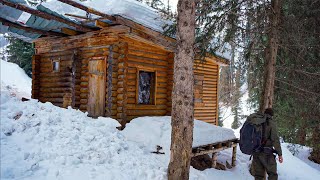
column 21, row 53
column 297, row 95
column 236, row 108
column 297, row 87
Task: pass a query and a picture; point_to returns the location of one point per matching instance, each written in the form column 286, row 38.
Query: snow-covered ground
column 41, row 141
column 14, row 80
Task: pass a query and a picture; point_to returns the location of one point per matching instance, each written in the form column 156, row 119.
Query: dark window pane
column 146, row 87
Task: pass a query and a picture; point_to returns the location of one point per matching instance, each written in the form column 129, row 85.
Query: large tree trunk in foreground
column 182, row 95
column 271, row 55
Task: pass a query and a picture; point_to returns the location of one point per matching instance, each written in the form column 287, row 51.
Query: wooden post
column 217, row 103
column 73, row 85
column 67, row 100
column 87, row 9
column 35, row 76
column 234, row 155
column 109, row 82
column 122, row 85
column 214, row 159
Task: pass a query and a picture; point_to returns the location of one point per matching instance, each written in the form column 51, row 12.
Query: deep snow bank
column 47, row 142
column 14, row 79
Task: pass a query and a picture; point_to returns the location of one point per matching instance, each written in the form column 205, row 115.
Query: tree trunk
column 315, row 154
column 182, row 94
column 271, row 55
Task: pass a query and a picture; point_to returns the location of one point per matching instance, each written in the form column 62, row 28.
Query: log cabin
column 112, row 66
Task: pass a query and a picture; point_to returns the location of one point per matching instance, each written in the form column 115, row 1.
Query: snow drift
column 14, row 79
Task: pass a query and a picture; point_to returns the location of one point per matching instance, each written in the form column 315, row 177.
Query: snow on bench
column 156, row 131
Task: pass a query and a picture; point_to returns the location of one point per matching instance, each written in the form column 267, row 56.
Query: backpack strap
column 264, row 139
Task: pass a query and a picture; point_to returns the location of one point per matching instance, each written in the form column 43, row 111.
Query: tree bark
column 315, row 154
column 182, row 94
column 271, row 55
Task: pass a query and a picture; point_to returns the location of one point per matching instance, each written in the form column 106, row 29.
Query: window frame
column 53, row 65
column 154, row 95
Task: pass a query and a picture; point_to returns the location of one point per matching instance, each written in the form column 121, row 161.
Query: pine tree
column 20, row 52
column 236, row 108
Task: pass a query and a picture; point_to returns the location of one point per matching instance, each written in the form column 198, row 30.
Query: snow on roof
column 130, row 9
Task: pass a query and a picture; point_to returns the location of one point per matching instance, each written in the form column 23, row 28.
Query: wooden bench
column 216, row 147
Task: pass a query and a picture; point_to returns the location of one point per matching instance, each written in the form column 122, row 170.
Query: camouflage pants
column 262, row 163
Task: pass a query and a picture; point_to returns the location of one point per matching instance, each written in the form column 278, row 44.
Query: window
column 55, row 66
column 198, row 88
column 146, row 87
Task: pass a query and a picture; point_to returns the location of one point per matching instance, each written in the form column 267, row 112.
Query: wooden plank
column 76, row 16
column 101, row 24
column 135, row 45
column 109, row 82
column 87, row 9
column 147, row 54
column 234, row 155
column 148, row 112
column 214, row 159
column 54, row 89
column 203, row 150
column 145, row 107
column 56, row 84
column 70, row 32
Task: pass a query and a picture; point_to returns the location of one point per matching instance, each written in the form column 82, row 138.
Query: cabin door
column 97, row 86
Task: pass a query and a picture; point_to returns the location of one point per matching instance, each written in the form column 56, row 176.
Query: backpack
column 251, row 133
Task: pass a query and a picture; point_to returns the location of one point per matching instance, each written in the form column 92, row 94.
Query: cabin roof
column 125, row 12
column 129, row 9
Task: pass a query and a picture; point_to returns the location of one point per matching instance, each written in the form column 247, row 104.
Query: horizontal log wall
column 206, row 78
column 145, row 57
column 54, row 86
column 88, row 40
column 128, row 56
column 93, row 44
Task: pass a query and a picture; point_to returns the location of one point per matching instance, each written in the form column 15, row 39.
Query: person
column 264, row 159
